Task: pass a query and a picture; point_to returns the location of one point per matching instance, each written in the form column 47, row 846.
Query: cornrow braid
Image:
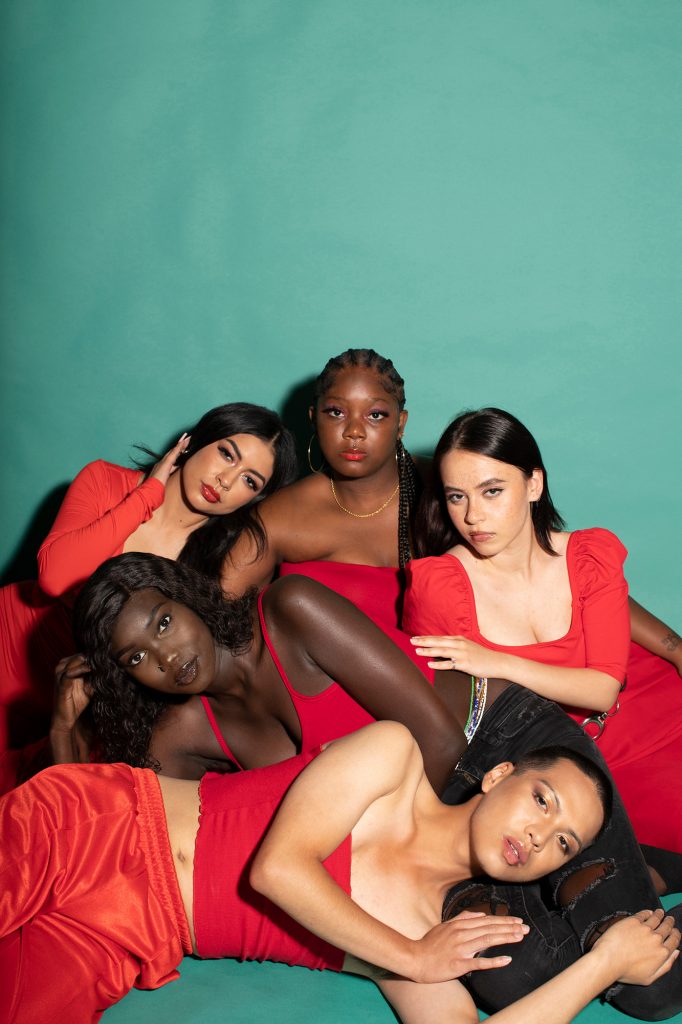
column 366, row 359
column 409, row 492
column 394, row 385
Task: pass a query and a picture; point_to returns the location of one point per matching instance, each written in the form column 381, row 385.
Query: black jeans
column 564, row 909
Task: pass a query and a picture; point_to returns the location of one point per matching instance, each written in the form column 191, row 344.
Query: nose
column 164, row 660
column 474, row 512
column 354, row 427
column 537, row 835
column 222, row 480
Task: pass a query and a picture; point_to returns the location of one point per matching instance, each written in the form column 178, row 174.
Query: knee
column 577, row 883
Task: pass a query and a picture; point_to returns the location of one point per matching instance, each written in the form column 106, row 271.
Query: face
column 163, row 645
column 530, row 823
column 488, row 501
column 358, row 423
column 224, row 475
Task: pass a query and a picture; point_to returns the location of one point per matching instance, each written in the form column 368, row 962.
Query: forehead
column 460, row 467
column 359, row 383
column 137, row 609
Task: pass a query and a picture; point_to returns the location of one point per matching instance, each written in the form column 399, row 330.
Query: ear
column 536, row 484
column 496, row 775
column 311, row 413
column 402, row 420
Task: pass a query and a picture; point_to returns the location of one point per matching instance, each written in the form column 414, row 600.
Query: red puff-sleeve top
column 439, row 601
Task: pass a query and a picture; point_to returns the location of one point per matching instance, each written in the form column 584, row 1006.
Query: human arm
column 652, row 634
column 581, row 687
column 101, row 508
column 69, row 739
column 439, row 610
column 375, row 771
column 338, row 643
column 641, row 949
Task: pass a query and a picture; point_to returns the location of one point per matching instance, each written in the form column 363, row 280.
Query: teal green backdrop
column 203, row 200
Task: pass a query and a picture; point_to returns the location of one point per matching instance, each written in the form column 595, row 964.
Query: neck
column 175, row 512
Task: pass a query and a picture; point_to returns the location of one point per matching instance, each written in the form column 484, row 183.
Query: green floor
column 228, row 992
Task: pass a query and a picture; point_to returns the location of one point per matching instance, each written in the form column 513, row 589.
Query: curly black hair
column 123, row 712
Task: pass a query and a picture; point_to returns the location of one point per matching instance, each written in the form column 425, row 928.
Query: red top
column 439, row 601
column 230, row 917
column 101, row 509
column 375, row 589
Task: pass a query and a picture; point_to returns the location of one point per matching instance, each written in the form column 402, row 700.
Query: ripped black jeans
column 607, row 880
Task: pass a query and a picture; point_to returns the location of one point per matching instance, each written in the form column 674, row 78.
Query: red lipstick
column 209, row 494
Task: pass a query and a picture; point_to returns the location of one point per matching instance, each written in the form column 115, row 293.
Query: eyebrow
column 485, row 483
column 228, row 440
column 557, row 803
column 119, row 654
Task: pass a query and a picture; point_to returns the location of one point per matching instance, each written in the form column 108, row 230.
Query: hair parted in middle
column 123, row 711
column 498, row 435
column 394, row 385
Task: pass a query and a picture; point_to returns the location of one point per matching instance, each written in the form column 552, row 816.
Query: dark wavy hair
column 207, row 547
column 124, row 713
column 394, row 385
column 500, row 436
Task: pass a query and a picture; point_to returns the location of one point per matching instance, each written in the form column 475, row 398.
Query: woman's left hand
column 460, row 653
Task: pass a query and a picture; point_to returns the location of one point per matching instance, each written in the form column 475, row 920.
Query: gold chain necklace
column 364, row 515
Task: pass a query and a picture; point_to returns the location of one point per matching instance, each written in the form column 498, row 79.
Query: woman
column 191, row 504
column 184, row 680
column 188, row 684
column 349, row 525
column 508, row 592
column 178, row 862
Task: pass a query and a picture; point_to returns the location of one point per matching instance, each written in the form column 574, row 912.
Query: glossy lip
column 353, row 454
column 187, row 673
column 514, row 852
column 480, row 538
column 209, row 493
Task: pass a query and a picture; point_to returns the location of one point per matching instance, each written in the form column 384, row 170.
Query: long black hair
column 394, row 385
column 498, row 435
column 124, row 713
column 206, row 548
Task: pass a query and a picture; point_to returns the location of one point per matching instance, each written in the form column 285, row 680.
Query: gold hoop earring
column 310, row 461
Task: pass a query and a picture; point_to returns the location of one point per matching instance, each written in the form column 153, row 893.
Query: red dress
column 375, row 589
column 101, row 509
column 642, row 742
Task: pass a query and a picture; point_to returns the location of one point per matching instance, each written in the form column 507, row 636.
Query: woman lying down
column 108, row 877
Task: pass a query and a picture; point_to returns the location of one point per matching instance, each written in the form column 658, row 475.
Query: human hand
column 449, row 950
column 71, row 693
column 460, row 653
column 641, row 947
column 165, row 467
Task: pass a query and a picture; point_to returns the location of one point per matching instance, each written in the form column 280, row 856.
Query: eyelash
column 562, row 840
column 375, row 416
column 492, row 492
column 226, row 453
column 164, row 623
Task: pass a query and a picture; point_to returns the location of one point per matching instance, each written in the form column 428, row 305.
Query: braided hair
column 394, row 385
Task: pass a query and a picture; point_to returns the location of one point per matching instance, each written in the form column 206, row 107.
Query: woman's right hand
column 643, row 947
column 72, row 693
column 166, row 466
